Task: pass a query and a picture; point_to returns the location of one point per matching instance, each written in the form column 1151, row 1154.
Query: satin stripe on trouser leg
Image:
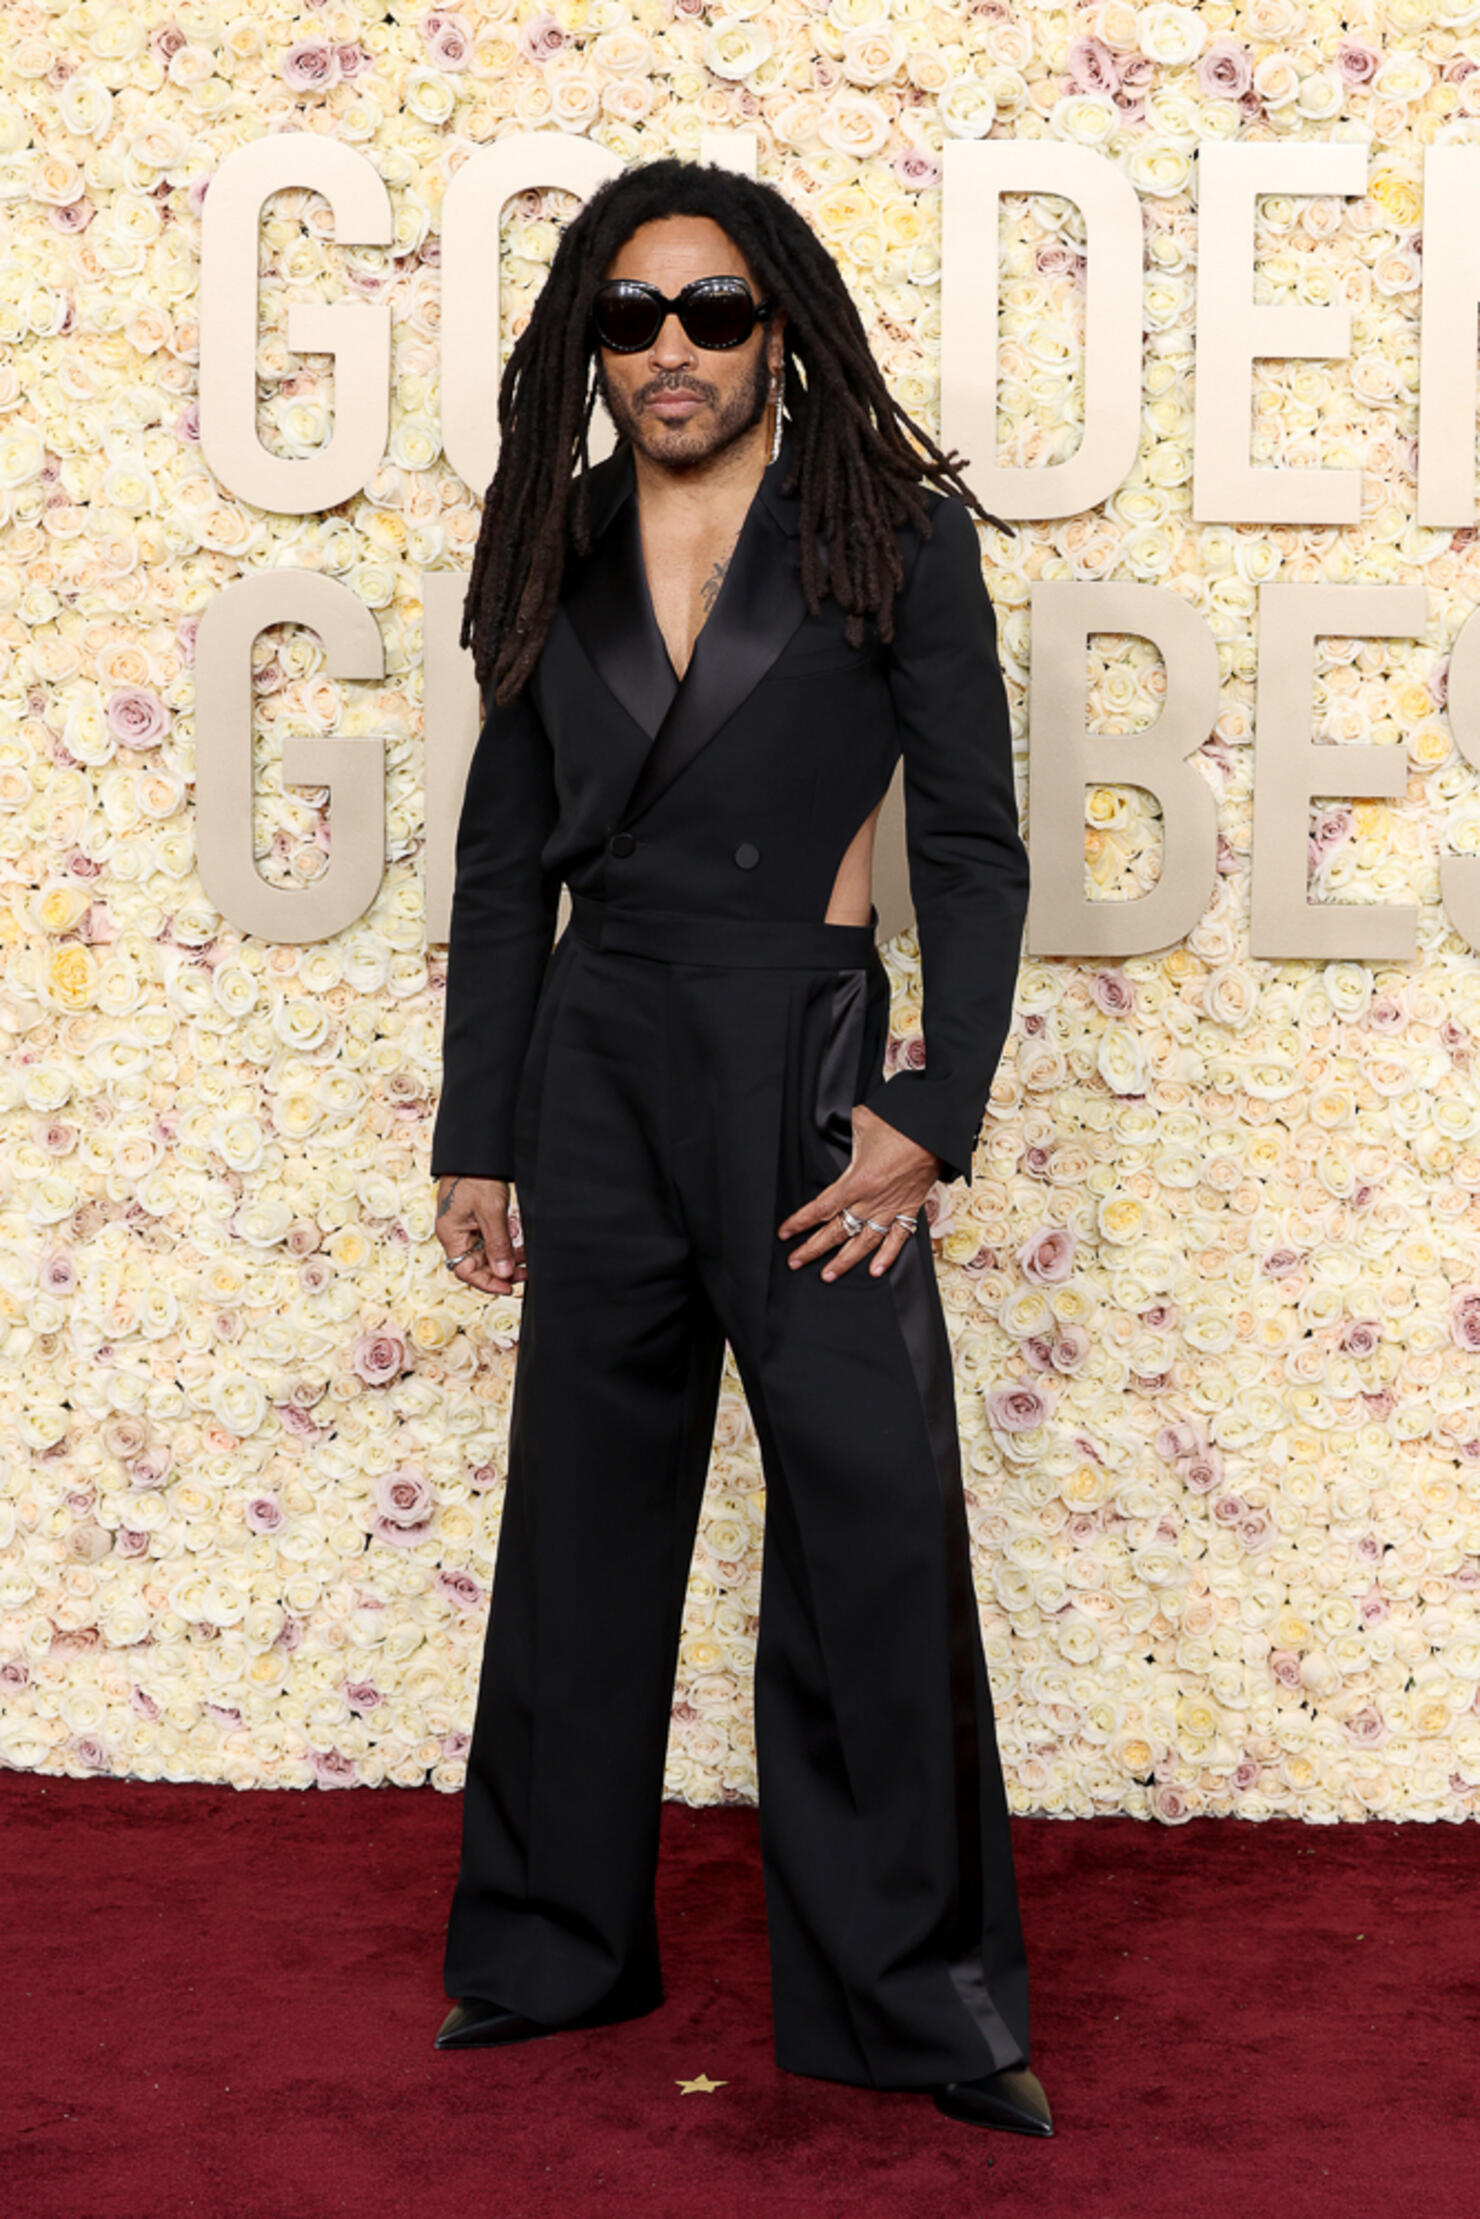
column 672, row 1114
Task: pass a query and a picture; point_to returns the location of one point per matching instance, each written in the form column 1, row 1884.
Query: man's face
column 714, row 396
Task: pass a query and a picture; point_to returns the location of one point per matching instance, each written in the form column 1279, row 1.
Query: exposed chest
column 683, row 579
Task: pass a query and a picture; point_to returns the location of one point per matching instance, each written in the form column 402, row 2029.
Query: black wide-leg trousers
column 689, row 1083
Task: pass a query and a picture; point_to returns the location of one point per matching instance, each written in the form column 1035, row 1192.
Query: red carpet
column 221, row 2005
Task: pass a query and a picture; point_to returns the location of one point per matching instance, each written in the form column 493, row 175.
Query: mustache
column 673, row 384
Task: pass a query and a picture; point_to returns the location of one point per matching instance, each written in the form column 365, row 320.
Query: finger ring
column 454, row 1261
column 878, row 1228
column 909, row 1223
column 851, row 1223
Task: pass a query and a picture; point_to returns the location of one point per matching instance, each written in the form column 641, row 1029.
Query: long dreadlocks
column 857, row 470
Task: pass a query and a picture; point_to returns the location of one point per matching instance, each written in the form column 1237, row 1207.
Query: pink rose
column 1055, row 259
column 331, row 1770
column 361, row 1694
column 265, row 1515
column 449, row 40
column 1366, row 1727
column 458, row 1588
column 1015, row 1409
column 310, row 65
column 1334, row 823
column 1170, row 1804
column 404, row 1498
column 917, row 168
column 1257, row 1531
column 379, row 1357
column 541, row 36
column 1356, row 64
column 1178, row 1437
column 1225, row 71
column 136, row 717
column 1092, row 67
column 1112, row 992
column 1203, row 1471
column 398, row 1536
column 1464, row 1317
column 1070, row 1348
column 1047, row 1256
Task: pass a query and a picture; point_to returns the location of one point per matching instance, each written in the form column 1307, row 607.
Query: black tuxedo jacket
column 735, row 793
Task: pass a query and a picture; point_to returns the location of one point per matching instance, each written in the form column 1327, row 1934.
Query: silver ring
column 909, row 1223
column 878, row 1228
column 454, row 1261
column 851, row 1224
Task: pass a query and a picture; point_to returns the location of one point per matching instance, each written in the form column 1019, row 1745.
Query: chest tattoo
column 709, row 590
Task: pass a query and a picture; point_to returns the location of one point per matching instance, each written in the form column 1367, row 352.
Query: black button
column 621, row 843
column 747, row 855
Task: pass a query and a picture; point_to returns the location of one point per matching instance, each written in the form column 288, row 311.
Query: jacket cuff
column 909, row 1103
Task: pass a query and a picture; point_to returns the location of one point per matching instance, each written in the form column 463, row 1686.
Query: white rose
column 872, row 54
column 733, row 48
column 854, row 124
column 967, row 109
column 1170, row 35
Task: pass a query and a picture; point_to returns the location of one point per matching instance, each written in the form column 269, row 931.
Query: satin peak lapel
column 607, row 602
column 758, row 607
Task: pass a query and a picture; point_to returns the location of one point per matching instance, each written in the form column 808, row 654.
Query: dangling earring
column 776, row 404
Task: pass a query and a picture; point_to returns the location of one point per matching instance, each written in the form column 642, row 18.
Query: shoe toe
column 1013, row 2098
column 473, row 2020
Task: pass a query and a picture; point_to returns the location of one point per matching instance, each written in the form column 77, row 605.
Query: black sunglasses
column 716, row 312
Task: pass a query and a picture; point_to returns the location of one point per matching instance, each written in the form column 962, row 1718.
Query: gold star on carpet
column 703, row 2086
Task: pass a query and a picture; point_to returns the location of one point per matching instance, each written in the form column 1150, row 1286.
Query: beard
column 699, row 437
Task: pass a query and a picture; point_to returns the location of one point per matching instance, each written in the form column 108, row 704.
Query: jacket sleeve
column 504, row 906
column 968, row 864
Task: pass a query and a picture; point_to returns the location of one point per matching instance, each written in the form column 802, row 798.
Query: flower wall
column 1214, row 1294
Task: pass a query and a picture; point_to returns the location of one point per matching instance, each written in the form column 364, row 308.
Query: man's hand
column 888, row 1173
column 473, row 1214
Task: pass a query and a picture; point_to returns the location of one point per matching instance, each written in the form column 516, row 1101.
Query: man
column 699, row 662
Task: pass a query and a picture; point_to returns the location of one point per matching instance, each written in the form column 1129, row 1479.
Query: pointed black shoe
column 473, row 2022
column 1012, row 2098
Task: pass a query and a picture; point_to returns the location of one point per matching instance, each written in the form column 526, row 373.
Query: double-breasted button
column 621, row 843
column 747, row 855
